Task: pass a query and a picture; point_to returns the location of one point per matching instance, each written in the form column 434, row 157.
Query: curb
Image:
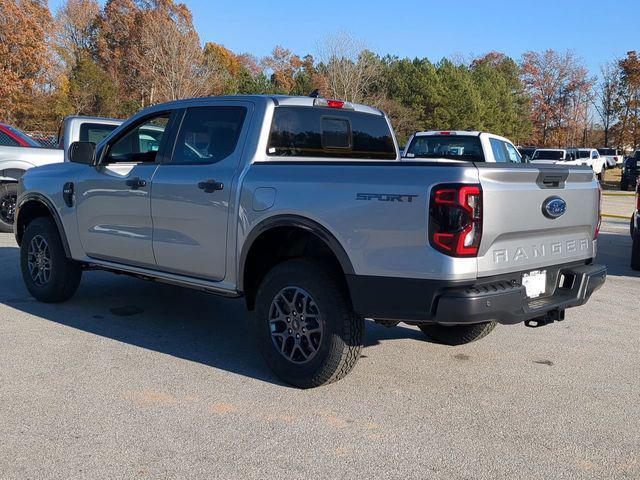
column 611, row 194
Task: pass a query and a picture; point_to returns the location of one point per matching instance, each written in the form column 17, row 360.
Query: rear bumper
column 501, row 298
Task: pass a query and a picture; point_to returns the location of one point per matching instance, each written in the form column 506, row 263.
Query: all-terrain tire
column 635, row 251
column 337, row 349
column 457, row 334
column 8, row 195
column 41, row 247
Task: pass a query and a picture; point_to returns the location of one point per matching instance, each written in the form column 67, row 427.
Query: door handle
column 210, row 186
column 136, row 183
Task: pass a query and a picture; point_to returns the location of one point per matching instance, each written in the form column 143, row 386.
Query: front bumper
column 501, row 298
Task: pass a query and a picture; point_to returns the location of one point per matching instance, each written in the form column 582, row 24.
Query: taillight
column 445, row 133
column 597, row 232
column 455, row 219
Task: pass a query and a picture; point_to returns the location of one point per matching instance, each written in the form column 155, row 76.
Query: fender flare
column 48, row 204
column 304, row 223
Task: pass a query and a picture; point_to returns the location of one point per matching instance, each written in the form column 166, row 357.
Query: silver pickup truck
column 303, row 207
column 17, row 159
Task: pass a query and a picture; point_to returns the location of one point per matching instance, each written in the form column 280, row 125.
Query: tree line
column 129, row 54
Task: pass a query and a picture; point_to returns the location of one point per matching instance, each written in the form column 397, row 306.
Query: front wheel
column 457, row 334
column 304, row 324
column 47, row 273
column 8, row 197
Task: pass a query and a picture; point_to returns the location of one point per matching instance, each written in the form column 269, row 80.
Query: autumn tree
column 169, row 60
column 348, row 69
column 24, row 54
column 606, row 98
column 557, row 84
column 75, row 34
column 629, row 100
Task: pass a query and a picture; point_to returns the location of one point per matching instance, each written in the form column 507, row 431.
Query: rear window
column 457, row 147
column 330, row 133
column 584, row 153
column 548, row 155
column 95, row 132
column 608, row 151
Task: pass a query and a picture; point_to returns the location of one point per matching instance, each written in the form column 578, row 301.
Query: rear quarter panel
column 381, row 236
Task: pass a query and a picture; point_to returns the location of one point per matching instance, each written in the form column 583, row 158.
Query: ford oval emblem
column 554, row 207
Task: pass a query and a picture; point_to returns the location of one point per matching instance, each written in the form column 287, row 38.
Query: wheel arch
column 262, row 235
column 35, row 205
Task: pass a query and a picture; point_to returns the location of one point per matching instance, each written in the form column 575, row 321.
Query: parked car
column 635, row 233
column 16, row 159
column 12, row 137
column 630, row 172
column 613, row 156
column 461, row 146
column 303, row 206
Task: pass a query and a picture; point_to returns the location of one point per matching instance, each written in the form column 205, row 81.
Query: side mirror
column 83, row 152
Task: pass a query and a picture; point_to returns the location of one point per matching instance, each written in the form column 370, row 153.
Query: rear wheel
column 8, row 197
column 304, row 324
column 48, row 274
column 635, row 251
column 457, row 334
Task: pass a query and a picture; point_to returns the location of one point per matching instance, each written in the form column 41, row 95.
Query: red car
column 12, row 137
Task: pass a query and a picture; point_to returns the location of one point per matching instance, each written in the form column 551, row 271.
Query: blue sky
column 598, row 31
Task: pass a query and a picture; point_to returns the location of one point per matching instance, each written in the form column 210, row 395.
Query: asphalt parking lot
column 132, row 379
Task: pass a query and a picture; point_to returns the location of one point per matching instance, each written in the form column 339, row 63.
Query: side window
column 140, row 143
column 512, row 153
column 499, row 151
column 595, row 154
column 208, row 134
column 7, row 141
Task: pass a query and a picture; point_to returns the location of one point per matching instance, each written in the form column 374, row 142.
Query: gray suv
column 303, row 207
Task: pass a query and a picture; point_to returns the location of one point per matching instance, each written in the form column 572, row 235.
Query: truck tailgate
column 519, row 233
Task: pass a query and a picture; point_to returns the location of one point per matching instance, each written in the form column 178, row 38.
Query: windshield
column 548, row 155
column 23, row 136
column 456, row 147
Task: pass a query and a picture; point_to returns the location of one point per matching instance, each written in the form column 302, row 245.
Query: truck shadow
column 191, row 325
column 183, row 323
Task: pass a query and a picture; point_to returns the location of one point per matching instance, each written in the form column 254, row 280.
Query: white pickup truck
column 461, row 145
column 16, row 160
column 572, row 156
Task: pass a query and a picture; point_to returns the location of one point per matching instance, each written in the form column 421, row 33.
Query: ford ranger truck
column 303, row 207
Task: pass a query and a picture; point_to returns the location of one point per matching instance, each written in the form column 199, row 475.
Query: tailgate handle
column 553, row 179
